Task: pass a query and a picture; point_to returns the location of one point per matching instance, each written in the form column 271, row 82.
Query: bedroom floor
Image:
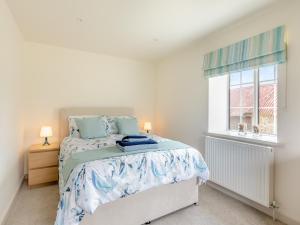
column 38, row 207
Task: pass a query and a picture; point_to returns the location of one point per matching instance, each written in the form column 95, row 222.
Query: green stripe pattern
column 263, row 49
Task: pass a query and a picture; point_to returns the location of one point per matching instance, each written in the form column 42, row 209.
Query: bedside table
column 43, row 164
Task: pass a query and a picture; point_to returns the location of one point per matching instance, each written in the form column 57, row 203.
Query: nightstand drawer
column 43, row 159
column 44, row 175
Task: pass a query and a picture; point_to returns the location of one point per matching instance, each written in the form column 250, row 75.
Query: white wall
column 218, row 104
column 11, row 162
column 57, row 77
column 182, row 104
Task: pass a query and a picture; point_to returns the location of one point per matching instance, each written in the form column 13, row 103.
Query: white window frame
column 255, row 119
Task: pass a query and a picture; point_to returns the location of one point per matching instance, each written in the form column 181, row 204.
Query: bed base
column 144, row 207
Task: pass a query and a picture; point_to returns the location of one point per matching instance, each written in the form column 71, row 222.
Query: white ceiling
column 139, row 29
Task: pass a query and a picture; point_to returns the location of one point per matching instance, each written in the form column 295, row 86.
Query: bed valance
column 265, row 48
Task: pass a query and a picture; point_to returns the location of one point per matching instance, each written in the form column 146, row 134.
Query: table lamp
column 147, row 127
column 46, row 132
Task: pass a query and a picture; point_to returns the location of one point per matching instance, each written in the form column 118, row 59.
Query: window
column 248, row 97
column 241, row 102
column 267, row 101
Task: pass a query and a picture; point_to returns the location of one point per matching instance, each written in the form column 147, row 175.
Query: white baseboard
column 253, row 204
column 12, row 202
column 287, row 220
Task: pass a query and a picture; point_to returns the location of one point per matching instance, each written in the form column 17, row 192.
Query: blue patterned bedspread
column 95, row 183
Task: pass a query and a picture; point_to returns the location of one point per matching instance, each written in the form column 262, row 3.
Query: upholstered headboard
column 80, row 111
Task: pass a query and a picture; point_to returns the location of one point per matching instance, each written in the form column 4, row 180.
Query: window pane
column 266, row 121
column 235, row 78
column 247, row 76
column 247, row 117
column 267, row 95
column 234, row 118
column 267, row 110
column 235, row 96
column 241, row 99
column 247, row 94
column 267, row 73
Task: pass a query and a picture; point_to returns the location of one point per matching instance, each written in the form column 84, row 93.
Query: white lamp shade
column 147, row 126
column 46, row 132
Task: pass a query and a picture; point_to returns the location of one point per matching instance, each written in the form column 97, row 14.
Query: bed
column 129, row 190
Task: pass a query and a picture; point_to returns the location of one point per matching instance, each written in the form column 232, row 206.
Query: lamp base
column 46, row 141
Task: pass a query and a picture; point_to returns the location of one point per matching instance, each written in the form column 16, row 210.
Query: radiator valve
column 274, row 206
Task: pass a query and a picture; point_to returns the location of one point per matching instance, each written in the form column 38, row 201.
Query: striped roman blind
column 265, row 48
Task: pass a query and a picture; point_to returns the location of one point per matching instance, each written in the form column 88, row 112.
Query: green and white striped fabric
column 266, row 48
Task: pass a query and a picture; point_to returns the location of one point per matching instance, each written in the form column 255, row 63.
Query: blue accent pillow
column 93, row 127
column 128, row 126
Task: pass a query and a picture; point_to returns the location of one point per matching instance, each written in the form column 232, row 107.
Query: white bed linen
column 98, row 182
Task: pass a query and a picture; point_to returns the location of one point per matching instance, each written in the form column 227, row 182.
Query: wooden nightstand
column 43, row 164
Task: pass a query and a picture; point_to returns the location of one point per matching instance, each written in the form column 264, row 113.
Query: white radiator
column 246, row 169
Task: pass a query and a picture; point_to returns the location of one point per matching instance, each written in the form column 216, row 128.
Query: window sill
column 249, row 137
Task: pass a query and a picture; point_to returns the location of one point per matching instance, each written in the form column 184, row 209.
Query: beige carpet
column 38, row 207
